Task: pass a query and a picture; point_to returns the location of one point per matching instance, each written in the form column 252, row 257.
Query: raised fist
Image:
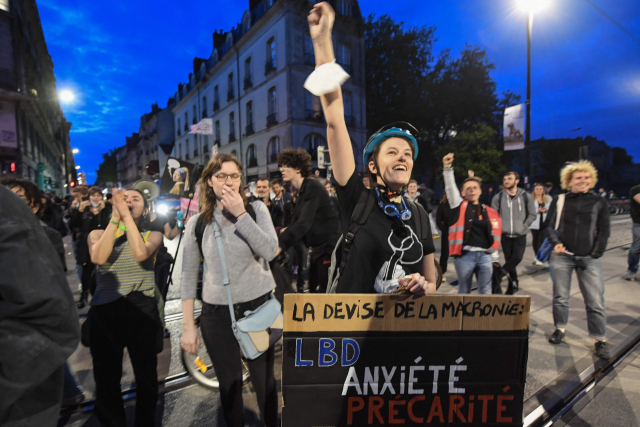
column 321, row 20
column 447, row 160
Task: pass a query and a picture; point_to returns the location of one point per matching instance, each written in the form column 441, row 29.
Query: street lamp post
column 527, row 142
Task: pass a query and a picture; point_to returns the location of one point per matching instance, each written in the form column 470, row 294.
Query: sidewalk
column 550, row 368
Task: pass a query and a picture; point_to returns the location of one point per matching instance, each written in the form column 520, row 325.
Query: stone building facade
column 34, row 134
column 252, row 88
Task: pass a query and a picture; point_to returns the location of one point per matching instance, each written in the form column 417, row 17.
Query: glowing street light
column 531, row 7
column 75, row 151
column 66, row 96
column 77, row 167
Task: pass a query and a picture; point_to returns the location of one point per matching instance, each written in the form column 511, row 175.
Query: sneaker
column 629, row 276
column 538, row 262
column 602, row 350
column 444, row 279
column 81, row 304
column 557, row 337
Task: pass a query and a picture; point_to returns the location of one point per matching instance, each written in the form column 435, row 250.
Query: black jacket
column 39, row 326
column 315, row 218
column 441, row 217
column 584, row 224
column 56, row 240
column 85, row 222
column 281, row 210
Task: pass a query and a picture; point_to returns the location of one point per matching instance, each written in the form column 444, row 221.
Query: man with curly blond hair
column 578, row 227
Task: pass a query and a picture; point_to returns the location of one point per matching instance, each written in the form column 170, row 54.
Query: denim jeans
column 634, row 251
column 591, row 282
column 470, row 262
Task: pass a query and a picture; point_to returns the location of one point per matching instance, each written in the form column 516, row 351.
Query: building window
column 346, row 100
column 271, row 99
column 247, row 73
column 232, row 127
column 230, row 94
column 344, row 56
column 179, row 131
column 311, row 144
column 186, row 149
column 313, row 110
column 195, row 115
column 186, row 121
column 273, row 148
column 252, row 160
column 234, row 153
column 217, row 132
column 216, row 99
column 206, row 159
column 271, row 56
column 249, row 129
column 309, row 57
column 204, row 107
column 344, row 7
column 180, row 151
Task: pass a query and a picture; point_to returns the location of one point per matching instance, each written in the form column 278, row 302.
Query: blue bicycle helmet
column 402, row 130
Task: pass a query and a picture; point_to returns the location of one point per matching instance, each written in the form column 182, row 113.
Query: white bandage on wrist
column 326, row 78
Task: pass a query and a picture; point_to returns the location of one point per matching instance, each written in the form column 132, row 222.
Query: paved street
column 549, row 367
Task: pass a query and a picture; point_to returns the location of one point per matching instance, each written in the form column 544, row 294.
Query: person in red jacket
column 474, row 231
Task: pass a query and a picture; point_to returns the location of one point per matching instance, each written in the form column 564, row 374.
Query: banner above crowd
column 514, row 127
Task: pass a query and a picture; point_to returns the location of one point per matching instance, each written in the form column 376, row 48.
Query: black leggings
column 537, row 239
column 513, row 250
column 130, row 322
column 215, row 324
column 444, row 250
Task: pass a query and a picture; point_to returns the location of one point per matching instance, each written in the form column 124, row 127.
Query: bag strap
column 420, row 214
column 225, row 275
column 559, row 208
column 359, row 217
column 200, row 225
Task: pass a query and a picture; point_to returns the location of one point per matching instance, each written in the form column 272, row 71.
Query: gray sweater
column 248, row 247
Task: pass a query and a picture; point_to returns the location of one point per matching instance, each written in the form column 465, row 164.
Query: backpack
column 366, row 203
column 200, row 225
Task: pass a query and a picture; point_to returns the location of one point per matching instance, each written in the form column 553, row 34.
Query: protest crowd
column 370, row 232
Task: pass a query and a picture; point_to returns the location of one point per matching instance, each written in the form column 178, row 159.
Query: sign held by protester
column 368, row 359
column 514, row 127
column 177, row 178
column 204, row 127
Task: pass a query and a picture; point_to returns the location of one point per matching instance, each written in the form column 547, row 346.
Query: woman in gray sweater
column 249, row 246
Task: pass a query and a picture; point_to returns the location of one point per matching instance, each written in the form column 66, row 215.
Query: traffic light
column 12, row 167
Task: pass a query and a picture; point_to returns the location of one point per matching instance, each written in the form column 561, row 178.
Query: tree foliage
column 621, row 157
column 108, row 170
column 475, row 150
column 441, row 95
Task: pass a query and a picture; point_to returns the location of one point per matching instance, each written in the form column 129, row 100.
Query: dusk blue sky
column 119, row 57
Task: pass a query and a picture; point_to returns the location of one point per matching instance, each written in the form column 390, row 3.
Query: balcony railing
column 272, row 119
column 232, row 137
column 248, row 82
column 350, row 120
column 216, row 105
column 315, row 115
column 230, row 95
column 309, row 58
column 248, row 129
column 195, row 153
column 186, row 156
column 273, row 158
column 253, row 162
column 269, row 66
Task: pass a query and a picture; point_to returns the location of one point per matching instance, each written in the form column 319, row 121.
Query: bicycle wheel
column 438, row 274
column 209, row 378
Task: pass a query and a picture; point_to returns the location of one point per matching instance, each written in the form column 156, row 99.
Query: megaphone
column 149, row 189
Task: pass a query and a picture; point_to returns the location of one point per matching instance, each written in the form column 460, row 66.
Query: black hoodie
column 584, row 224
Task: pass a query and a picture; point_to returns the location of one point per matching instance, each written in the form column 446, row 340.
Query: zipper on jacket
column 575, row 236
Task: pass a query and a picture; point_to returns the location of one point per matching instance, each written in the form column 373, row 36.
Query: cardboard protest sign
column 361, row 360
column 177, row 178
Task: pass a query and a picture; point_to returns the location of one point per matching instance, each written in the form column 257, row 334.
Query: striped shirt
column 122, row 274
